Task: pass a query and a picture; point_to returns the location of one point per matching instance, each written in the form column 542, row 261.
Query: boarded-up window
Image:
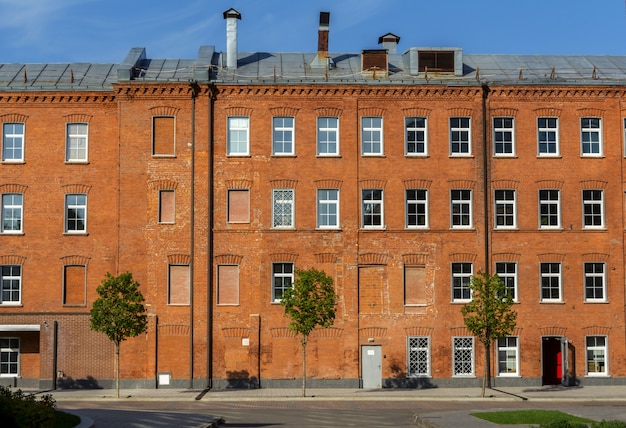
column 167, row 206
column 163, row 135
column 74, row 285
column 414, row 285
column 239, row 206
column 227, row 285
column 371, row 286
column 179, row 285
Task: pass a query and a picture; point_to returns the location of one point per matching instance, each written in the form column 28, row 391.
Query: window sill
column 505, row 229
column 508, row 375
column 505, row 156
column 11, row 305
column 549, row 156
column 461, row 155
column 286, row 155
column 75, row 234
column 603, row 375
column 13, row 162
column 552, row 302
column 331, row 156
column 163, row 156
column 596, row 302
column 373, row 229
column 417, row 155
column 76, row 162
column 12, row 233
column 372, row 155
column 328, row 229
column 594, row 229
column 416, row 228
column 236, row 155
column 463, row 229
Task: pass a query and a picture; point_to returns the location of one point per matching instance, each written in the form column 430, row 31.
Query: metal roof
column 284, row 67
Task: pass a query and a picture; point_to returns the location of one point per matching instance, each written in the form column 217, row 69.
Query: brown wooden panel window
column 239, row 206
column 179, row 285
column 167, row 206
column 436, row 61
column 227, row 285
column 74, row 285
column 163, row 135
column 414, row 285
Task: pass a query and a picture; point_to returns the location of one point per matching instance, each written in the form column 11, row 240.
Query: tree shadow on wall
column 69, row 383
column 241, row 379
column 400, row 379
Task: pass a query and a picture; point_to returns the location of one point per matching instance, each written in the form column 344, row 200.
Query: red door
column 552, row 357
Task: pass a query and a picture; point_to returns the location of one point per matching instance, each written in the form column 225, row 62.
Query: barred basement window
column 463, row 356
column 418, row 356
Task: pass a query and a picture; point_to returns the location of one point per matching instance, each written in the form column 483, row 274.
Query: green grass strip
column 539, row 417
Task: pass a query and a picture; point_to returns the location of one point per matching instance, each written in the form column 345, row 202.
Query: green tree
column 310, row 303
column 489, row 316
column 119, row 313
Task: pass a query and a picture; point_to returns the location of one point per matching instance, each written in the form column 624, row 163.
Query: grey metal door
column 371, row 365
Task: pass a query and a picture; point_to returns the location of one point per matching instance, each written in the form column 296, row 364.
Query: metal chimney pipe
column 231, row 16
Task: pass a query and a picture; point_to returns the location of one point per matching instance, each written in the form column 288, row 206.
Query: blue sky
column 105, row 30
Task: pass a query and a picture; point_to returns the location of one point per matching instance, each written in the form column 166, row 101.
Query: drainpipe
column 209, row 361
column 486, row 186
column 194, row 93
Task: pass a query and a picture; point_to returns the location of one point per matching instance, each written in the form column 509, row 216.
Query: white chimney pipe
column 231, row 16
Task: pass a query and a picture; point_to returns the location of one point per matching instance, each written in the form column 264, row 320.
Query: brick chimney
column 231, row 16
column 321, row 59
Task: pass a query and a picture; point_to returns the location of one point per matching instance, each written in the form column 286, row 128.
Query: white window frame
column 13, row 350
column 12, row 279
column 461, row 275
column 461, row 208
column 325, row 204
column 282, row 279
column 416, row 135
column 546, row 202
column 591, row 127
column 77, row 142
column 508, row 347
column 597, row 354
column 503, row 127
column 463, row 344
column 369, row 207
column 285, row 128
column 283, row 208
column 547, row 147
column 16, row 136
column 372, row 136
column 412, row 206
column 507, row 271
column 72, row 202
column 460, row 136
column 594, row 272
column 238, row 126
column 327, row 129
column 547, row 278
column 11, row 206
column 418, row 355
column 593, row 209
column 505, row 209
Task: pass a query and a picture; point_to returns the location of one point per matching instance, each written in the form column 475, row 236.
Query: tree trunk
column 304, row 367
column 117, row 369
column 487, row 369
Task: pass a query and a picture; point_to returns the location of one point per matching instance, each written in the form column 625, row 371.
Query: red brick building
column 213, row 180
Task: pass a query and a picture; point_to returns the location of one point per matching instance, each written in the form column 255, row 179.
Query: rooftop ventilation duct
column 390, row 42
column 231, row 16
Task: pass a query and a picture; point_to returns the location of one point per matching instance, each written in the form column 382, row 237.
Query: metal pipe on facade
column 194, row 93
column 209, row 361
column 486, row 187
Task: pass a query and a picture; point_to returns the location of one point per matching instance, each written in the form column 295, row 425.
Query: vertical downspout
column 194, row 94
column 209, row 360
column 55, row 353
column 486, row 187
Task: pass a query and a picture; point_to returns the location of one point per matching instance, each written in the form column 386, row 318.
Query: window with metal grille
column 463, row 356
column 418, row 356
column 282, row 208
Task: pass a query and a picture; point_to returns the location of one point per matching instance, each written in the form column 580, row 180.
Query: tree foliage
column 490, row 315
column 309, row 303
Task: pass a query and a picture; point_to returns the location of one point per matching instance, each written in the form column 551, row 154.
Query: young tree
column 119, row 313
column 310, row 303
column 489, row 316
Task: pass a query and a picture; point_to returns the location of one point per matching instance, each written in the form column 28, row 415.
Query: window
column 416, row 208
column 551, row 282
column 328, row 208
column 227, row 285
column 507, row 272
column 461, row 209
column 548, row 136
column 238, row 136
column 460, row 136
column 463, row 356
column 9, row 357
column 167, row 206
column 12, row 209
column 593, row 209
column 76, row 146
column 282, row 278
column 327, row 136
column 415, row 136
column 595, row 282
column 591, row 136
column 75, row 213
column 282, row 208
column 179, row 285
column 163, row 135
column 415, row 286
column 12, row 142
column 371, row 136
column 461, row 276
column 418, row 356
column 372, row 208
column 597, row 356
column 74, row 281
column 238, row 206
column 503, row 136
column 11, row 284
column 508, row 361
column 549, row 209
column 505, row 209
column 283, row 136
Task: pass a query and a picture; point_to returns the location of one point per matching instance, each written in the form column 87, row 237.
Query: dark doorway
column 552, row 358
